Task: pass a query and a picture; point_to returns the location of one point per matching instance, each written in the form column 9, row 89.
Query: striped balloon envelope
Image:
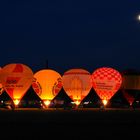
column 77, row 83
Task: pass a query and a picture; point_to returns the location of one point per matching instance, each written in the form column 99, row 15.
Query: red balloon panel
column 106, row 81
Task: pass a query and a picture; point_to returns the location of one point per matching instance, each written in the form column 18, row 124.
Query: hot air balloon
column 106, row 82
column 130, row 84
column 131, row 80
column 47, row 84
column 130, row 98
column 1, row 87
column 77, row 84
column 16, row 80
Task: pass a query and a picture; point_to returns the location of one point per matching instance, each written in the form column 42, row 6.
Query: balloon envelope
column 77, row 83
column 106, row 82
column 1, row 87
column 131, row 82
column 16, row 80
column 47, row 84
column 130, row 98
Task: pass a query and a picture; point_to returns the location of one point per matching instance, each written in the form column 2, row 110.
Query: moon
column 139, row 17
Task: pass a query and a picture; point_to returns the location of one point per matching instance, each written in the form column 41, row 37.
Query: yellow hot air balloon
column 77, row 83
column 16, row 80
column 47, row 84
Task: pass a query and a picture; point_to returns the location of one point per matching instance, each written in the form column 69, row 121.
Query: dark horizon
column 61, row 71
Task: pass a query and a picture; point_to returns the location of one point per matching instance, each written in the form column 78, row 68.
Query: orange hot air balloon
column 77, row 84
column 1, row 87
column 47, row 84
column 106, row 82
column 16, row 80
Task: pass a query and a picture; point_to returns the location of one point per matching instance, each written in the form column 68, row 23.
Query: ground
column 70, row 124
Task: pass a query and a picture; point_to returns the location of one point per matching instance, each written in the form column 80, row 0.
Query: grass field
column 70, row 124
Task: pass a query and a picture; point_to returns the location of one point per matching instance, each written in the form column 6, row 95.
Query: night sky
column 70, row 34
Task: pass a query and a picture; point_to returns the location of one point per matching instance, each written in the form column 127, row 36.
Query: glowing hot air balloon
column 1, row 87
column 106, row 82
column 16, row 80
column 77, row 84
column 47, row 84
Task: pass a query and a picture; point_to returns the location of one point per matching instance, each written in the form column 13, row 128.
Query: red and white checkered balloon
column 106, row 82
